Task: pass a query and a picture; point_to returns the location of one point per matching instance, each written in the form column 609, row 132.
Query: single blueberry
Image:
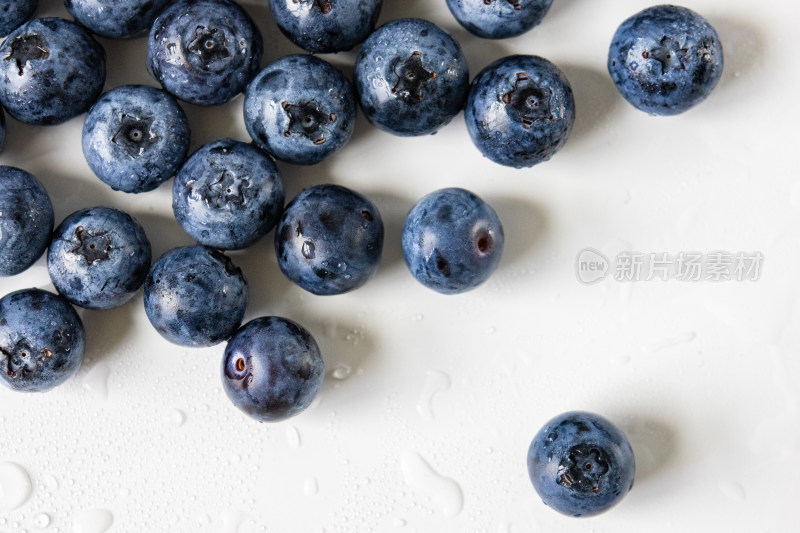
column 300, row 109
column 452, row 241
column 228, row 195
column 195, row 296
column 51, row 70
column 13, row 13
column 41, row 340
column 135, row 138
column 272, row 369
column 26, row 220
column 325, row 26
column 411, row 77
column 204, row 51
column 499, row 19
column 117, row 19
column 665, row 59
column 329, row 240
column 580, row 464
column 520, row 111
column 98, row 258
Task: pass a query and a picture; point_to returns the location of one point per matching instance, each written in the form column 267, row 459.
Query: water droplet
column 419, row 475
column 96, row 380
column 400, row 523
column 41, row 520
column 418, row 317
column 293, row 437
column 50, row 482
column 341, row 372
column 176, row 417
column 435, row 382
column 15, row 486
column 93, row 521
column 311, row 486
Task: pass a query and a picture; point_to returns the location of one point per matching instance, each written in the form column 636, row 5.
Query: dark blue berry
column 520, row 111
column 41, row 340
column 324, row 26
column 204, row 51
column 272, row 369
column 117, row 19
column 452, row 241
column 26, row 220
column 13, row 13
column 665, row 59
column 195, row 296
column 411, row 77
column 50, row 71
column 329, row 240
column 499, row 19
column 98, row 258
column 300, row 109
column 228, row 195
column 135, row 138
column 580, row 464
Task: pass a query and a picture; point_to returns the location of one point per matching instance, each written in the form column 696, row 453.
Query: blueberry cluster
column 410, row 78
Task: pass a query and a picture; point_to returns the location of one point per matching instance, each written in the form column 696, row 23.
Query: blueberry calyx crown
column 92, row 246
column 307, row 119
column 582, row 469
column 27, row 48
column 516, row 3
column 528, row 102
column 324, row 6
column 210, row 45
column 669, row 53
column 23, row 358
column 410, row 77
column 226, row 191
column 135, row 135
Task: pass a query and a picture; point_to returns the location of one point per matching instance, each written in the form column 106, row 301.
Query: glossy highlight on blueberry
column 13, row 13
column 99, row 258
column 272, row 369
column 452, row 241
column 26, row 220
column 51, row 70
column 580, row 464
column 116, row 19
column 41, row 340
column 499, row 19
column 665, row 60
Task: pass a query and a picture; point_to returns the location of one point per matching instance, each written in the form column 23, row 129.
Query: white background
column 703, row 377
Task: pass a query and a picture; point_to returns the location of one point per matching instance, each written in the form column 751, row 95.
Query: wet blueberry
column 329, row 240
column 300, row 109
column 324, row 26
column 98, row 258
column 195, row 296
column 580, row 464
column 41, row 340
column 228, row 195
column 665, row 59
column 117, row 19
column 13, row 13
column 411, row 77
column 50, row 71
column 520, row 111
column 26, row 220
column 499, row 19
column 272, row 369
column 452, row 241
column 135, row 138
column 204, row 51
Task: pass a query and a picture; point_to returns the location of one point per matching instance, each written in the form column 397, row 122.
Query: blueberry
column 26, row 220
column 329, row 240
column 228, row 195
column 324, row 26
column 452, row 241
column 499, row 19
column 204, row 51
column 300, row 109
column 50, row 71
column 195, row 296
column 272, row 369
column 98, row 258
column 411, row 77
column 2, row 129
column 117, row 19
column 41, row 340
column 13, row 13
column 665, row 59
column 520, row 111
column 135, row 138
column 580, row 464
